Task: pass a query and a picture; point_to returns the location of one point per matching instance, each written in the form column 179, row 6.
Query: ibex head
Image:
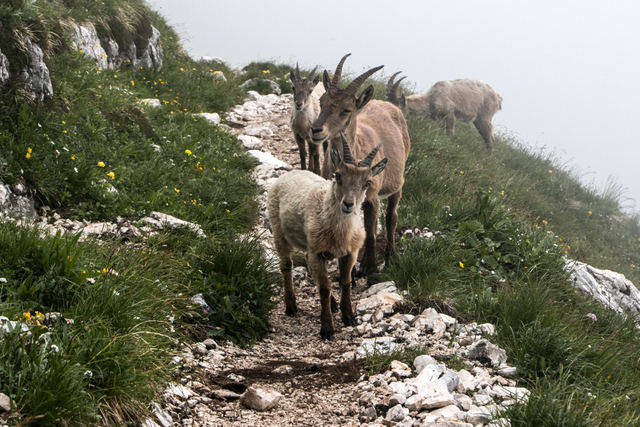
column 302, row 88
column 353, row 180
column 392, row 93
column 340, row 106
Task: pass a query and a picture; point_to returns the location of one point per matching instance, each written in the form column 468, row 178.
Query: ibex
column 366, row 122
column 305, row 110
column 322, row 218
column 467, row 100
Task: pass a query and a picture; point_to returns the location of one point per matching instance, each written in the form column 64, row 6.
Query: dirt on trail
column 315, row 377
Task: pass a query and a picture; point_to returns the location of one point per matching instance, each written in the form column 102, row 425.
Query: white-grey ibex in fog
column 322, row 218
column 466, row 100
column 305, row 110
column 366, row 122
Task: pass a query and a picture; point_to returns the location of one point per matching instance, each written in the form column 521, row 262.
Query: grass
column 95, row 152
column 508, row 221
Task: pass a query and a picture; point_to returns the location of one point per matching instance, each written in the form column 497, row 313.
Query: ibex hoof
column 326, row 335
column 349, row 321
column 291, row 310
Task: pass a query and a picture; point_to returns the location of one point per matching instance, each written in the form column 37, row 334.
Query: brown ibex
column 466, row 100
column 305, row 110
column 322, row 218
column 366, row 122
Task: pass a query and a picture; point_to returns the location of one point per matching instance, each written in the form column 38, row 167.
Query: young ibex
column 467, row 100
column 305, row 110
column 366, row 122
column 322, row 218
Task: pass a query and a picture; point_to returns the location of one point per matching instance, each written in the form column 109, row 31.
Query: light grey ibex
column 305, row 110
column 322, row 218
column 366, row 122
column 467, row 100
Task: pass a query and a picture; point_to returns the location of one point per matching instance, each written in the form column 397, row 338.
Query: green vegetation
column 95, row 152
column 508, row 221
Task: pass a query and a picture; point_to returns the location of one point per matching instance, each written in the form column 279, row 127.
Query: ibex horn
column 312, row 73
column 338, row 74
column 298, row 72
column 395, row 86
column 348, row 158
column 366, row 162
column 354, row 85
column 390, row 82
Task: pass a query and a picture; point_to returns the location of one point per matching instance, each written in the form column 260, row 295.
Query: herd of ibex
column 318, row 211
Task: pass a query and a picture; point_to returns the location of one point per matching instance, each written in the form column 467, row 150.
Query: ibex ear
column 403, row 100
column 292, row 77
column 379, row 167
column 316, row 80
column 325, row 80
column 335, row 156
column 364, row 97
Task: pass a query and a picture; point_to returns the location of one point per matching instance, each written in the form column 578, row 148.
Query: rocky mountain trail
column 293, row 378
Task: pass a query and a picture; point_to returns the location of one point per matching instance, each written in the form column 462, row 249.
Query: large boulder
column 611, row 289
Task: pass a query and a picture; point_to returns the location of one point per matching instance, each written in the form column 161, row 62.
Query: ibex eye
column 337, row 176
column 368, row 183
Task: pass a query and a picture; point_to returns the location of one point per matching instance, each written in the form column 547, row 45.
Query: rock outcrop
column 108, row 54
column 611, row 289
column 35, row 74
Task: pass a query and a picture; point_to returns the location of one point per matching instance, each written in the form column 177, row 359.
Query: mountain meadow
column 93, row 323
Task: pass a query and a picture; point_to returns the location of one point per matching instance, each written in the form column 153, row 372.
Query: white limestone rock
column 386, row 301
column 260, row 398
column 150, row 102
column 250, row 142
column 611, row 289
column 85, row 39
column 485, row 352
column 35, row 74
column 213, row 118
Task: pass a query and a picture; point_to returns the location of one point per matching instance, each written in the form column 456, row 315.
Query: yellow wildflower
column 590, row 212
column 101, row 164
column 550, row 171
column 29, row 150
column 28, row 156
column 188, row 152
column 461, row 264
column 111, row 175
column 176, row 190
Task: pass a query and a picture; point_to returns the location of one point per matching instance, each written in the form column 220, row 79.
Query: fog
column 568, row 71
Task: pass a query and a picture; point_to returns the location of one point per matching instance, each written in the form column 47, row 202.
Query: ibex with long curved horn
column 366, row 122
column 322, row 218
column 466, row 100
column 305, row 110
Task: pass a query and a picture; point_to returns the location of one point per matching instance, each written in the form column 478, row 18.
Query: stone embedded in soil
column 260, row 398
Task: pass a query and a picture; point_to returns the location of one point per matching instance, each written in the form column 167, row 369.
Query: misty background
column 569, row 72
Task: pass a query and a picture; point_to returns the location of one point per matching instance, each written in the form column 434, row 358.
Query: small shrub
column 238, row 289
